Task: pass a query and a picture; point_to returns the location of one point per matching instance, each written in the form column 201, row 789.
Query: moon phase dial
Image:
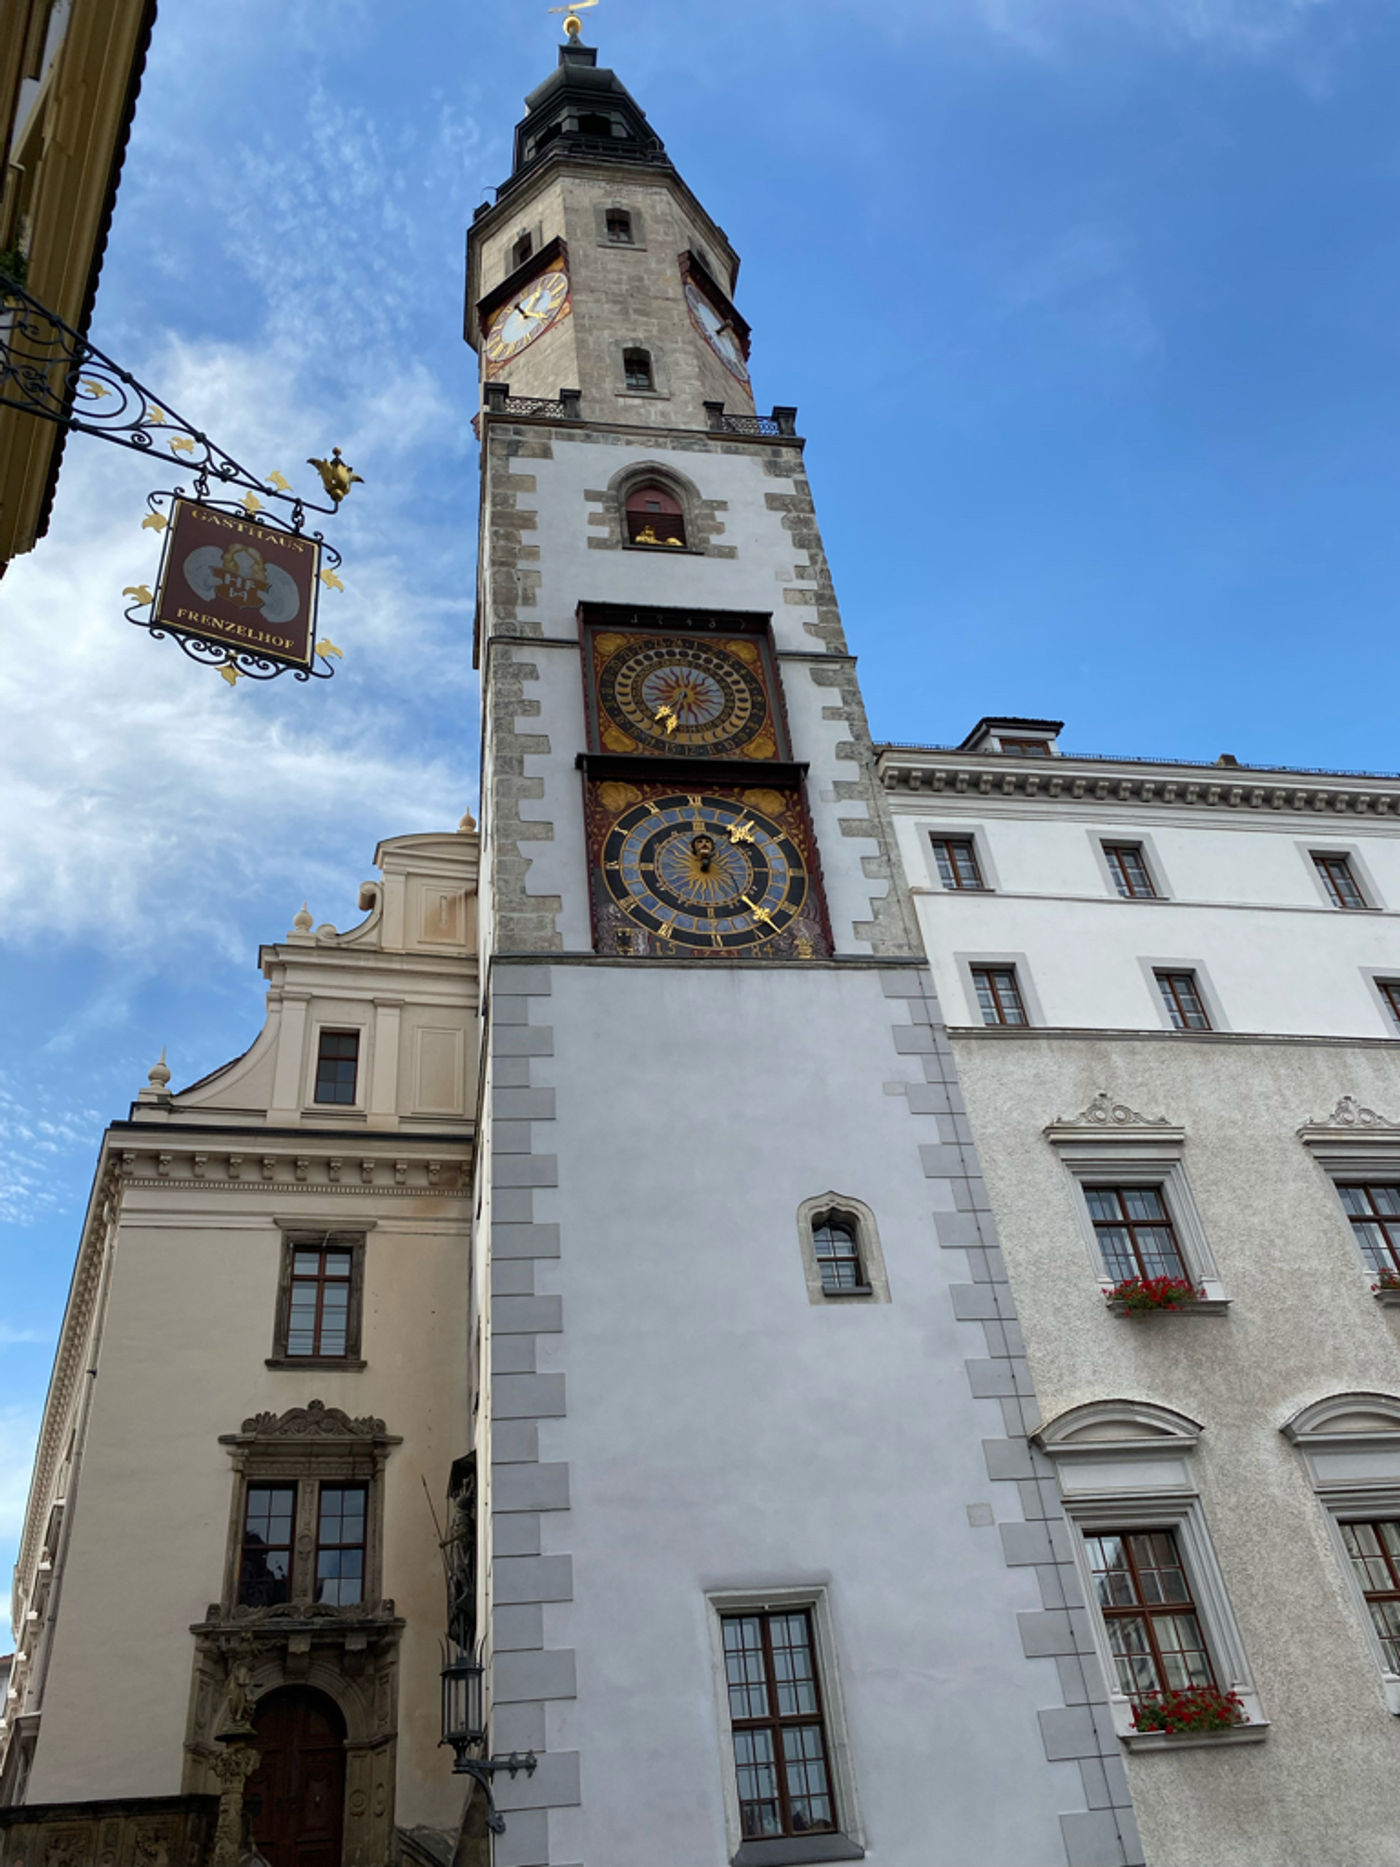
column 704, row 873
column 682, row 697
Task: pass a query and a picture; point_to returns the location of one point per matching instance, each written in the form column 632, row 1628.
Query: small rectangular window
column 320, row 1290
column 1144, row 1596
column 956, row 857
column 636, row 369
column 1338, row 880
column 1182, row 997
column 1390, row 992
column 1026, row 748
column 1374, row 1212
column 1134, row 1232
column 1129, row 871
column 619, row 225
column 265, row 1568
column 522, row 249
column 780, row 1743
column 1374, row 1549
column 998, row 995
column 337, row 1065
column 340, row 1545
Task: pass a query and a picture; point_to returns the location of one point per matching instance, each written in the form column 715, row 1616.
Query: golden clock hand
column 759, row 914
column 668, row 715
column 741, row 832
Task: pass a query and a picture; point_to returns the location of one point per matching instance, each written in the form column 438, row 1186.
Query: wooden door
column 297, row 1794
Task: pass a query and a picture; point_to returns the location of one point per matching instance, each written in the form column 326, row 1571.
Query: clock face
column 682, row 697
column 531, row 311
column 704, row 873
column 721, row 336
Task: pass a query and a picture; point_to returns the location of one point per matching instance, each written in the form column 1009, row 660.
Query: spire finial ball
column 159, row 1074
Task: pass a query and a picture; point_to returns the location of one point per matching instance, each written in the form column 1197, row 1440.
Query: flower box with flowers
column 1198, row 1714
column 1152, row 1296
column 1387, row 1288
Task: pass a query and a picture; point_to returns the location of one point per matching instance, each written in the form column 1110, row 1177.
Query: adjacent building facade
column 1173, row 994
column 665, row 1259
column 69, row 74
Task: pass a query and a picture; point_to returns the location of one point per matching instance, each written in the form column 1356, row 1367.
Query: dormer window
column 619, row 226
column 654, row 517
column 522, row 250
column 593, row 123
column 1027, row 748
column 636, row 369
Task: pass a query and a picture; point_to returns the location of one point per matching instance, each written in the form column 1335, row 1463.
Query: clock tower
column 750, row 1412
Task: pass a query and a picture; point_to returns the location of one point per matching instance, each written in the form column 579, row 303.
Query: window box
column 1387, row 1291
column 1196, row 1710
column 1137, row 1297
column 1253, row 1733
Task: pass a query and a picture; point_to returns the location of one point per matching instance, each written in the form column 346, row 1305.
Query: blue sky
column 1089, row 308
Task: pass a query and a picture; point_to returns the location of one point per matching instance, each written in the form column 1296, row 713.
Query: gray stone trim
column 1027, row 1511
column 525, row 1674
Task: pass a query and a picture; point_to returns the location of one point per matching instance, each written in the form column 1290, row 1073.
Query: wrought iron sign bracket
column 50, row 370
column 482, row 1769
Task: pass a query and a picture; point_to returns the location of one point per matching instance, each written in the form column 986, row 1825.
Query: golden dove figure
column 156, row 415
column 330, row 580
column 251, row 504
column 154, row 522
column 327, row 647
column 277, row 480
column 95, row 389
column 181, row 444
column 139, row 591
column 231, row 675
column 336, row 476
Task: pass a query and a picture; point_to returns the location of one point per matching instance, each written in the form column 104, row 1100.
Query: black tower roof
column 582, row 110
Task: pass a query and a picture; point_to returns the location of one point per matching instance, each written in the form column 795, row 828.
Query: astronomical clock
column 698, row 836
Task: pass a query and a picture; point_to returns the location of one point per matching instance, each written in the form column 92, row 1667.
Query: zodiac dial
column 717, row 331
column 527, row 314
column 672, row 694
column 700, row 873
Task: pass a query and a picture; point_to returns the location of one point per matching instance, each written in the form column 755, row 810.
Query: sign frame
column 191, row 520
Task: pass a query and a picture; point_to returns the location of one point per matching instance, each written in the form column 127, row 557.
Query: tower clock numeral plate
column 703, row 873
column 682, row 697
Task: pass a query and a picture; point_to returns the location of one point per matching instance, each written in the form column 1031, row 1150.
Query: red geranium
column 1389, row 1280
column 1198, row 1708
column 1139, row 1295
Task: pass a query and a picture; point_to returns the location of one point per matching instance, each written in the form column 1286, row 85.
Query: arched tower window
column 654, row 517
column 522, row 249
column 841, row 1253
column 593, row 123
column 837, row 1250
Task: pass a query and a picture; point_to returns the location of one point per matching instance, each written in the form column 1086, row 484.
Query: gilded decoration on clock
column 706, row 873
column 527, row 314
column 683, row 697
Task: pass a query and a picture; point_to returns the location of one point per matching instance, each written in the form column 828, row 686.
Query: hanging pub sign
column 249, row 587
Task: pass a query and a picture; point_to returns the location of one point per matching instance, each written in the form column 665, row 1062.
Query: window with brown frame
column 1374, row 1211
column 1128, row 868
column 1144, row 1596
column 337, row 1066
column 956, row 857
column 340, row 1545
column 1337, row 878
column 775, row 1708
column 265, row 1564
column 1390, row 992
column 1134, row 1232
column 999, row 995
column 618, row 223
column 654, row 517
column 837, row 1251
column 637, row 370
column 319, row 1306
column 1374, row 1548
column 1182, row 997
column 1026, row 748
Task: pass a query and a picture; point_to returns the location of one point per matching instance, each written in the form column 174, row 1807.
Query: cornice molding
column 358, row 1164
column 1105, row 1116
column 1229, row 790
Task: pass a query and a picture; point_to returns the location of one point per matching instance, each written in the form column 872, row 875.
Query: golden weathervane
column 573, row 25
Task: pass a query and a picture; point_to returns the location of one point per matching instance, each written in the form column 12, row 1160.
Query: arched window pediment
column 1126, row 1428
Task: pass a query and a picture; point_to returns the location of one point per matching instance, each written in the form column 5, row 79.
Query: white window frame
column 1100, row 839
column 793, row 1848
column 1209, row 997
column 1126, row 1465
column 981, row 850
column 1018, row 963
column 1351, row 1448
column 1140, row 1153
column 1354, row 1144
column 1354, row 856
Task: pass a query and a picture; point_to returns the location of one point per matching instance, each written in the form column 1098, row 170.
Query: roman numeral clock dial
column 526, row 315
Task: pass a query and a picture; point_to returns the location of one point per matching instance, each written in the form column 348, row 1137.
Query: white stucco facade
column 1189, row 1421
